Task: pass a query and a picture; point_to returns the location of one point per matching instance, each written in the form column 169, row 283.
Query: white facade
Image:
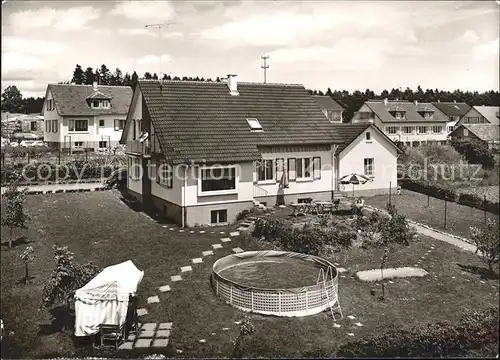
column 382, row 169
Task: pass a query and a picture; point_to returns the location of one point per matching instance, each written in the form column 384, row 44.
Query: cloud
column 71, row 19
column 470, row 37
column 31, row 46
column 173, row 35
column 486, row 51
column 136, row 31
column 20, row 75
column 16, row 61
column 146, row 11
column 154, row 59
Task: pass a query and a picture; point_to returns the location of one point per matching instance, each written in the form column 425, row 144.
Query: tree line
column 350, row 101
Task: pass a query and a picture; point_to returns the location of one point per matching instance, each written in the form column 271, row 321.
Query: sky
column 355, row 45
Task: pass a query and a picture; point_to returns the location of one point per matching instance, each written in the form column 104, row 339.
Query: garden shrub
column 477, row 202
column 396, row 229
column 243, row 214
column 434, row 190
column 441, row 339
column 475, row 152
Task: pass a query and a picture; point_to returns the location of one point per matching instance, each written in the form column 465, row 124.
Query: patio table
column 299, row 208
column 323, row 207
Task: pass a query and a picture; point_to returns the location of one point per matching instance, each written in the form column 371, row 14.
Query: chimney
column 94, row 85
column 416, row 102
column 385, row 101
column 232, row 84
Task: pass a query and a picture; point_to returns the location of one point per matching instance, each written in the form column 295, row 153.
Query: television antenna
column 159, row 27
column 265, row 66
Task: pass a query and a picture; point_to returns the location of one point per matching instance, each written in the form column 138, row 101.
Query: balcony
column 138, row 148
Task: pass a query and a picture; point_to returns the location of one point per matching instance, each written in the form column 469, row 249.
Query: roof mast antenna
column 159, row 27
column 265, row 66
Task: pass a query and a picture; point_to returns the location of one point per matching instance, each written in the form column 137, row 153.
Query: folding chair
column 112, row 333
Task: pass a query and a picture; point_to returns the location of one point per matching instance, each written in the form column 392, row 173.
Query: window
column 466, row 132
column 280, row 168
column 317, row 168
column 334, row 115
column 422, row 129
column 265, row 170
column 55, row 125
column 368, row 136
column 103, row 144
column 78, row 125
column 407, row 129
column 303, row 167
column 164, row 174
column 101, row 123
column 50, row 105
column 119, row 124
column 78, row 144
column 427, row 115
column 451, row 128
column 254, row 124
column 217, row 179
column 369, row 169
column 398, row 115
column 291, row 169
column 392, row 129
column 33, row 126
column 437, row 129
column 47, row 124
column 134, row 171
column 95, row 103
column 218, row 216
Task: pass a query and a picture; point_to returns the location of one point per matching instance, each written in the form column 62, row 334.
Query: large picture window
column 78, row 125
column 217, row 180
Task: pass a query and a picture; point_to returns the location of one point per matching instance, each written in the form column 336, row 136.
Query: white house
column 481, row 115
column 411, row 123
column 332, row 109
column 200, row 152
column 81, row 117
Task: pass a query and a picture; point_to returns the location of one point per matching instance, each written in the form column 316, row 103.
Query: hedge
column 442, row 193
column 442, row 339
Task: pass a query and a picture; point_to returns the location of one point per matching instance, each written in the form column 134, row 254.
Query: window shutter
column 255, row 170
column 316, row 168
column 291, row 169
column 280, row 163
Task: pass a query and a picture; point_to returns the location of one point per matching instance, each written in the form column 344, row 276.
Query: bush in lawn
column 487, row 242
column 13, row 214
column 441, row 339
column 246, row 329
column 67, row 277
column 396, row 229
column 242, row 214
column 475, row 152
column 27, row 256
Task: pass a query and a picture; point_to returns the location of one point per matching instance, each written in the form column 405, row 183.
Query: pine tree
column 134, row 80
column 127, row 80
column 117, row 78
column 148, row 76
column 89, row 76
column 78, row 75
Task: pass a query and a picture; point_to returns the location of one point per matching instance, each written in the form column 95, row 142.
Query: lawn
column 414, row 205
column 98, row 227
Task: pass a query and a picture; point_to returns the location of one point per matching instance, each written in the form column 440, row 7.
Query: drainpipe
column 334, row 169
column 184, row 198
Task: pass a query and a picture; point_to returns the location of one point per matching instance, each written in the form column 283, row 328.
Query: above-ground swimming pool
column 276, row 283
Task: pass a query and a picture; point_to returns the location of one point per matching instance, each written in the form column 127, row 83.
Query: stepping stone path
column 202, row 341
column 192, row 231
column 186, row 268
column 150, row 335
column 153, row 299
column 351, row 317
column 164, row 226
column 225, row 329
column 237, row 250
column 358, row 324
column 202, row 231
column 164, row 288
column 350, row 334
column 341, row 270
column 222, row 232
column 336, row 326
column 171, row 229
column 176, row 278
column 207, row 253
column 234, row 233
column 217, row 246
column 225, row 239
column 197, row 260
column 181, row 230
column 142, row 312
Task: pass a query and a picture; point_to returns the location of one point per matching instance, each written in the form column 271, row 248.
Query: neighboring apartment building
column 332, row 109
column 481, row 115
column 454, row 111
column 489, row 134
column 208, row 150
column 79, row 117
column 411, row 123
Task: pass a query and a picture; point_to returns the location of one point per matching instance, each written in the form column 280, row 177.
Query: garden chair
column 112, row 333
column 336, row 204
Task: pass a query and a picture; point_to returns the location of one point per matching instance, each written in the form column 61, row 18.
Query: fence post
column 428, row 196
column 59, row 157
column 484, row 209
column 445, row 208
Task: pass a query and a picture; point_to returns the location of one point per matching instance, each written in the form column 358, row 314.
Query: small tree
column 246, row 328
column 13, row 214
column 27, row 257
column 383, row 262
column 487, row 243
column 67, row 277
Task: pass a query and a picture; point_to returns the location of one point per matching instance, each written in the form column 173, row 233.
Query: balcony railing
column 137, row 147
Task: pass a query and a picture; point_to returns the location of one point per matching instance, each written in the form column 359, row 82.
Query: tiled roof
column 201, row 121
column 327, row 103
column 452, row 108
column 71, row 99
column 486, row 132
column 98, row 95
column 491, row 113
column 381, row 110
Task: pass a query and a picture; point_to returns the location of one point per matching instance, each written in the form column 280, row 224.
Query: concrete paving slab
column 163, row 334
column 146, row 334
column 352, row 317
column 237, row 250
column 336, row 326
column 186, row 268
column 128, row 345
column 197, row 260
column 226, row 239
column 160, row 343
column 165, row 326
column 217, row 246
column 153, row 299
column 143, row 343
column 234, row 233
column 176, row 278
column 164, row 288
column 207, row 253
column 142, row 312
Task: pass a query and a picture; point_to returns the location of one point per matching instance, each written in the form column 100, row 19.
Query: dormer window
column 101, row 104
column 398, row 115
column 254, row 124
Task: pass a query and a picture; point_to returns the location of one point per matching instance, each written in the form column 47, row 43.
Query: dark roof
column 71, row 99
column 452, row 108
column 201, row 121
column 485, row 132
column 326, row 102
column 412, row 114
column 490, row 113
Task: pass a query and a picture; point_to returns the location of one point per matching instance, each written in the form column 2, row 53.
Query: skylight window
column 254, row 124
column 456, row 107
